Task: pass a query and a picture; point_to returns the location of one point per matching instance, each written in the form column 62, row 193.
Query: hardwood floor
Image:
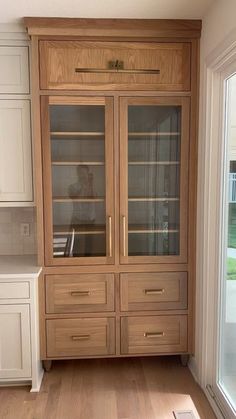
column 131, row 388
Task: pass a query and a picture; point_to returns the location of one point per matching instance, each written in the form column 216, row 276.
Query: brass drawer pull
column 155, row 292
column 124, row 235
column 80, row 337
column 110, row 236
column 153, row 335
column 117, row 67
column 79, row 293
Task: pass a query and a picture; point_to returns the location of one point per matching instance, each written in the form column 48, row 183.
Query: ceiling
column 12, row 11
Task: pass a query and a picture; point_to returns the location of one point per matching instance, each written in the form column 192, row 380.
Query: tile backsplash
column 11, row 240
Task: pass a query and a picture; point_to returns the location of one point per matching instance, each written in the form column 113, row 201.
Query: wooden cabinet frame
column 108, row 31
column 184, row 102
column 47, row 179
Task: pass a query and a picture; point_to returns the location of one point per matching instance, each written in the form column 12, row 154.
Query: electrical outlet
column 25, row 229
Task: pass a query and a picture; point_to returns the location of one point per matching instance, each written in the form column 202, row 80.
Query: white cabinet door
column 15, row 352
column 14, row 70
column 15, row 151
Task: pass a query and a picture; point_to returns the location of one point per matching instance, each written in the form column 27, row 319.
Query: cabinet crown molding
column 118, row 28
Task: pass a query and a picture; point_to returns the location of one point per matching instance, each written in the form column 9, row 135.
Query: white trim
column 210, row 174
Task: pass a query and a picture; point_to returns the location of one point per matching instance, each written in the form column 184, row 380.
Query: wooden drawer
column 80, row 337
column 14, row 69
column 153, row 334
column 79, row 293
column 153, row 291
column 14, row 290
column 85, row 65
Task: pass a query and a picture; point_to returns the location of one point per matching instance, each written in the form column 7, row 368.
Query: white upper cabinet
column 14, row 70
column 15, row 152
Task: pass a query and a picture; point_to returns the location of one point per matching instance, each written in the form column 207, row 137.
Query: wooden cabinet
column 153, row 334
column 79, row 293
column 114, row 65
column 80, row 337
column 115, row 117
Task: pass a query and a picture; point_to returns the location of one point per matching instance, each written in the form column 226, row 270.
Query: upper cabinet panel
column 14, row 70
column 115, row 65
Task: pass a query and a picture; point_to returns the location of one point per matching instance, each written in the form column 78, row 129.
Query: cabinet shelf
column 72, row 134
column 79, row 230
column 143, row 199
column 77, row 163
column 77, row 199
column 158, row 134
column 141, row 230
column 150, row 163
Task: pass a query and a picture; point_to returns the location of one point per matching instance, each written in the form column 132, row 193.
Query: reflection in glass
column 153, row 180
column 78, row 180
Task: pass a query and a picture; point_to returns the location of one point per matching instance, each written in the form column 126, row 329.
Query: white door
column 15, row 151
column 15, row 352
column 224, row 375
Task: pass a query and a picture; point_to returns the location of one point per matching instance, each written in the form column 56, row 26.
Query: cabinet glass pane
column 154, row 134
column 78, row 180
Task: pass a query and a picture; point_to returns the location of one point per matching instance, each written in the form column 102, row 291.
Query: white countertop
column 19, row 266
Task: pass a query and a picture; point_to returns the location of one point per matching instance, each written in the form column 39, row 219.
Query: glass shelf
column 150, row 163
column 65, row 134
column 147, row 199
column 75, row 199
column 77, row 163
column 154, row 134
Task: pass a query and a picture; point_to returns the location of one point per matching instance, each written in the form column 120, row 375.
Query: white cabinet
column 15, row 357
column 14, row 69
column 19, row 328
column 15, row 151
column 16, row 172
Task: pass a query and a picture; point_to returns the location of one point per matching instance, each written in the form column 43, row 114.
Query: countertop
column 19, row 266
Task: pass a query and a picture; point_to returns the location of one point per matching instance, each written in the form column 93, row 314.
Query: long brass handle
column 80, row 337
column 150, row 335
column 79, row 293
column 155, row 292
column 124, row 235
column 110, row 236
column 117, row 70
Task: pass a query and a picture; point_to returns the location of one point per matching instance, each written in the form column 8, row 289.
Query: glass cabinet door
column 78, row 179
column 154, row 179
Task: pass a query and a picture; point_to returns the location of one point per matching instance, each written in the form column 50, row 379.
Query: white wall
column 219, row 21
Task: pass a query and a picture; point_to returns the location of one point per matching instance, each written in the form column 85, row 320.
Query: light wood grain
column 139, row 388
column 79, row 293
column 153, row 334
column 122, row 28
column 153, row 291
column 60, row 59
column 75, row 337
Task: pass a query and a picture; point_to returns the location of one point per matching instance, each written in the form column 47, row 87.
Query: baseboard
column 36, row 387
column 192, row 365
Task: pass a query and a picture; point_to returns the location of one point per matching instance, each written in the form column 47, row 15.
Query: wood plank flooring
column 131, row 388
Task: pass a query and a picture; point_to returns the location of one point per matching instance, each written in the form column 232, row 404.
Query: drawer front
column 153, row 291
column 78, row 65
column 14, row 290
column 80, row 337
column 14, row 69
column 153, row 334
column 79, row 293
